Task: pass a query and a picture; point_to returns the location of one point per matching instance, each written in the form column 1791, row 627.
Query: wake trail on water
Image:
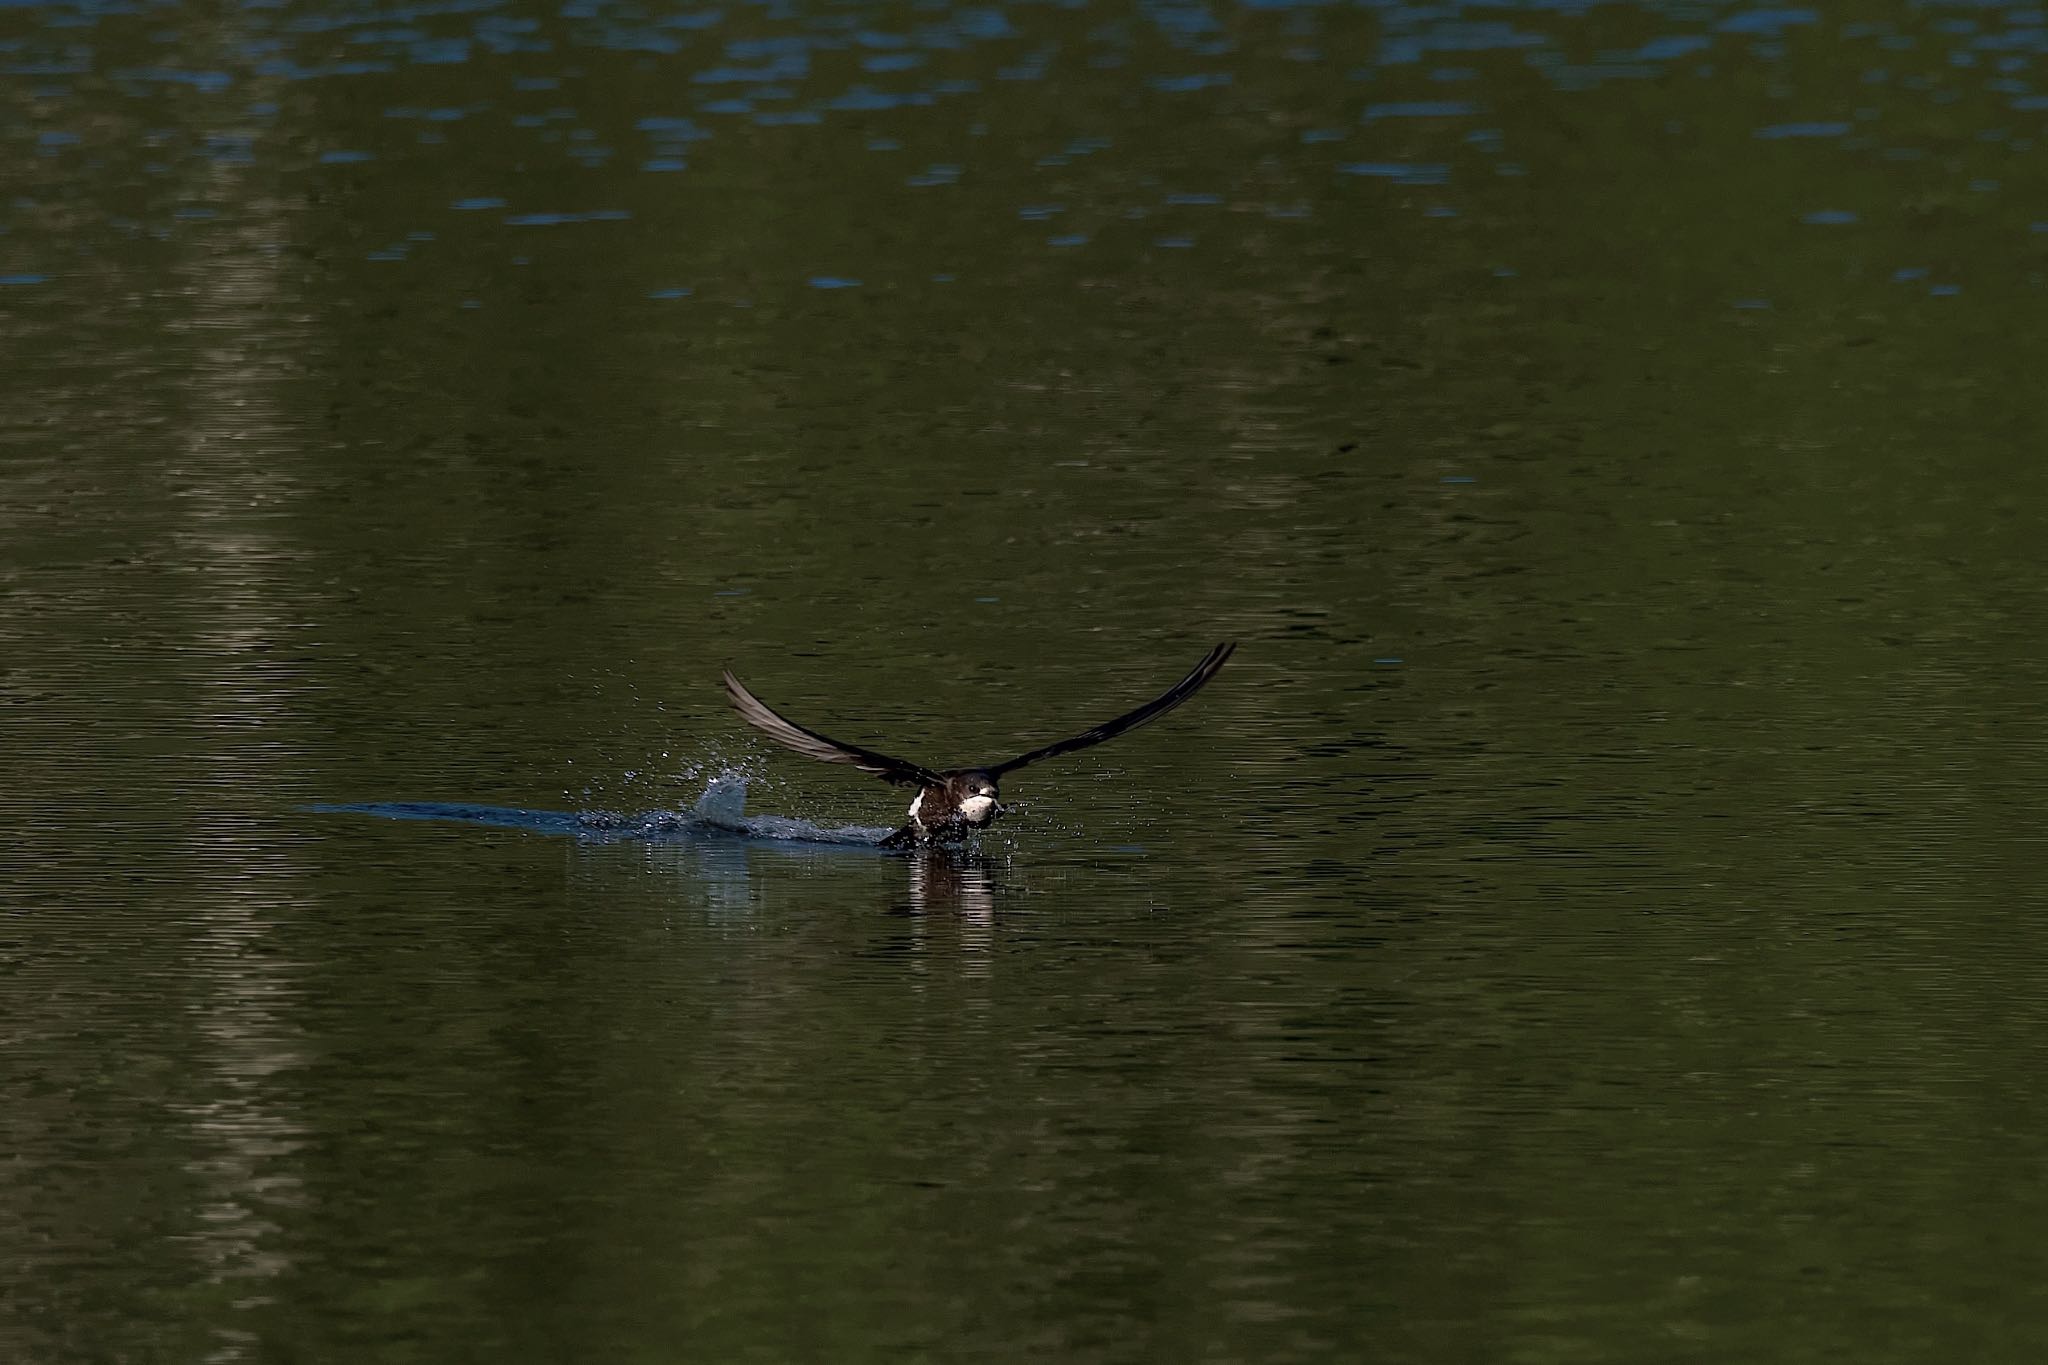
column 720, row 813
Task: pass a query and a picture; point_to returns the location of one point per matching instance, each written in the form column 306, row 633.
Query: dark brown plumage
column 949, row 803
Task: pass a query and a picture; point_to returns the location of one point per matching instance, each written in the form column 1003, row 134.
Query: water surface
column 1593, row 919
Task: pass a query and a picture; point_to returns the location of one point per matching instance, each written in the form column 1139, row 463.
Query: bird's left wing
column 811, row 744
column 1130, row 720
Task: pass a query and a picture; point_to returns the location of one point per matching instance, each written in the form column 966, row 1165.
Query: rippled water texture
column 1595, row 917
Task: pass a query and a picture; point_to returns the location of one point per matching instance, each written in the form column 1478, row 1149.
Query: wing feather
column 1131, row 720
column 811, row 744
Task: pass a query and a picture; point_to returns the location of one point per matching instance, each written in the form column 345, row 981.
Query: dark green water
column 1594, row 919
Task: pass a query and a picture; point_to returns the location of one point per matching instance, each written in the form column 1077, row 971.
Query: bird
column 953, row 802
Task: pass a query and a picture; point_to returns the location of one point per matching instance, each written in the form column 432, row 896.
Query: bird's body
column 946, row 810
column 952, row 803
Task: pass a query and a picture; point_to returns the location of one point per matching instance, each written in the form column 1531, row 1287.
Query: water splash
column 720, row 813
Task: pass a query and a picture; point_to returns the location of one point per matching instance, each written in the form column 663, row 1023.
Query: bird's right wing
column 811, row 744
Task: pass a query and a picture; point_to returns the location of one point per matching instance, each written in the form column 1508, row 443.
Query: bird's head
column 977, row 801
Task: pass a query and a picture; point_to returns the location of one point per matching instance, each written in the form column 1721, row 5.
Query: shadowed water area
column 1594, row 918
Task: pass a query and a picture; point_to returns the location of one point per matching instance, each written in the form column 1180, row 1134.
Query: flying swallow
column 952, row 802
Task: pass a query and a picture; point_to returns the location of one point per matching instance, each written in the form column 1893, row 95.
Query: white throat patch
column 974, row 809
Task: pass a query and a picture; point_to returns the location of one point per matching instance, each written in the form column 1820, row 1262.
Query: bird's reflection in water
column 952, row 881
column 952, row 893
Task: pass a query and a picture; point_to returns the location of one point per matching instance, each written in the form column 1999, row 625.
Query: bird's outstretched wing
column 811, row 744
column 1150, row 711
